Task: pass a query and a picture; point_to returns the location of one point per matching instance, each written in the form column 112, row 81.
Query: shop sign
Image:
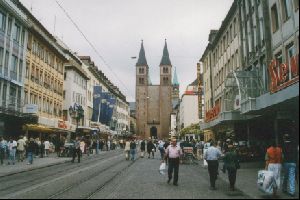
column 30, row 109
column 280, row 74
column 213, row 113
column 62, row 124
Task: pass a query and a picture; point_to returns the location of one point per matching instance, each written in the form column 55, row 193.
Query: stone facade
column 153, row 102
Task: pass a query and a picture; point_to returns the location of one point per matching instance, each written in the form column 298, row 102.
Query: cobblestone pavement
column 110, row 176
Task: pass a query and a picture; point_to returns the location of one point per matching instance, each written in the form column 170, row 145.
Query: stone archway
column 153, row 132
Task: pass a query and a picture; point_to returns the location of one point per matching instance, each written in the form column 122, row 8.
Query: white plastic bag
column 162, row 168
column 266, row 181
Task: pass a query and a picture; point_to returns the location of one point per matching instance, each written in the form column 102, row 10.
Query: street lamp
column 76, row 112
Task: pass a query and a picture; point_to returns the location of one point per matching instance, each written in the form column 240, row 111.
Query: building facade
column 260, row 96
column 43, row 93
column 75, row 93
column 189, row 106
column 13, row 44
column 153, row 102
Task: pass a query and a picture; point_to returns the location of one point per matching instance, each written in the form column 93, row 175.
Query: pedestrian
column 108, row 145
column 161, row 149
column 21, row 149
column 82, row 146
column 30, row 151
column 231, row 165
column 42, row 148
column 150, row 148
column 132, row 149
column 3, row 147
column 274, row 163
column 290, row 158
column 127, row 149
column 173, row 153
column 47, row 147
column 12, row 148
column 76, row 150
column 97, row 146
column 211, row 156
column 143, row 148
column 166, row 145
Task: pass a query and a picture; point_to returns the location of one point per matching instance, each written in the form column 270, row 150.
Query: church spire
column 175, row 78
column 165, row 59
column 142, row 58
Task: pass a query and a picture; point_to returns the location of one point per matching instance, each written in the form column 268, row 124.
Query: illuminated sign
column 213, row 113
column 283, row 75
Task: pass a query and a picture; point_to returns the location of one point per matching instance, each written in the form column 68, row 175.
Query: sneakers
column 175, row 184
column 169, row 180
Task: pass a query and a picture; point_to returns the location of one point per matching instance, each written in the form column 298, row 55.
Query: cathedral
column 155, row 103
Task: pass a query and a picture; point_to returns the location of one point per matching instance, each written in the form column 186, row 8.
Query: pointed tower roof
column 142, row 58
column 175, row 78
column 165, row 59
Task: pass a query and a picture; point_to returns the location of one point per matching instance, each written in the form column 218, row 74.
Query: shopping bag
column 162, row 168
column 266, row 181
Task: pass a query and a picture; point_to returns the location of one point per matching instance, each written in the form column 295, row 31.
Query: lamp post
column 76, row 112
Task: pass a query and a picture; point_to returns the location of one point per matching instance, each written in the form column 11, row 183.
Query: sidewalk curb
column 34, row 168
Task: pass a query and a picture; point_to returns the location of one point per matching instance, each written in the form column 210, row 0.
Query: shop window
column 274, row 16
column 290, row 55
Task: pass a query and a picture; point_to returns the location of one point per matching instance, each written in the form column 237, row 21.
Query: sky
column 116, row 27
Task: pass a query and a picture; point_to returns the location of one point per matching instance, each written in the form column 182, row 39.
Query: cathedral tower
column 142, row 78
column 165, row 93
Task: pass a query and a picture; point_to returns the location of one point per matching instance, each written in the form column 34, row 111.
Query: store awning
column 37, row 128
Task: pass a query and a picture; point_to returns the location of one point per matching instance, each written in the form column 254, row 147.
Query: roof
column 165, row 60
column 142, row 57
column 175, row 78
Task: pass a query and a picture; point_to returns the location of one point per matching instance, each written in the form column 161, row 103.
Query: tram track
column 38, row 177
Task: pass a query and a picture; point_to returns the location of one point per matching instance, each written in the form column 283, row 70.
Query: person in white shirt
column 47, row 147
column 12, row 148
column 173, row 154
column 21, row 149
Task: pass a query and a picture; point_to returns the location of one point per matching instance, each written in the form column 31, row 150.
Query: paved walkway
column 6, row 169
column 247, row 179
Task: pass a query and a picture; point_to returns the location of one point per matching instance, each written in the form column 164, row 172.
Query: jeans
column 76, row 152
column 30, row 157
column 173, row 166
column 97, row 149
column 162, row 152
column 213, row 171
column 12, row 156
column 289, row 178
column 132, row 152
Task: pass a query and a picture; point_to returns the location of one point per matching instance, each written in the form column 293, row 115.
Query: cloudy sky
column 116, row 28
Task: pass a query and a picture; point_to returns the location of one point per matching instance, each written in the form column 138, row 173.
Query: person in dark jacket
column 150, row 148
column 132, row 149
column 31, row 148
column 290, row 158
column 143, row 148
column 231, row 165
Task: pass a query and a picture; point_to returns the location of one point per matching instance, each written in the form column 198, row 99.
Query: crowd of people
column 18, row 150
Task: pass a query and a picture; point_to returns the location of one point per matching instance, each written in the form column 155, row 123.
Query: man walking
column 173, row 153
column 76, row 150
column 212, row 155
column 132, row 149
column 3, row 147
column 30, row 151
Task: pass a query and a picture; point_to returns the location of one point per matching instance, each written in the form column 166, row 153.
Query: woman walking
column 231, row 165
